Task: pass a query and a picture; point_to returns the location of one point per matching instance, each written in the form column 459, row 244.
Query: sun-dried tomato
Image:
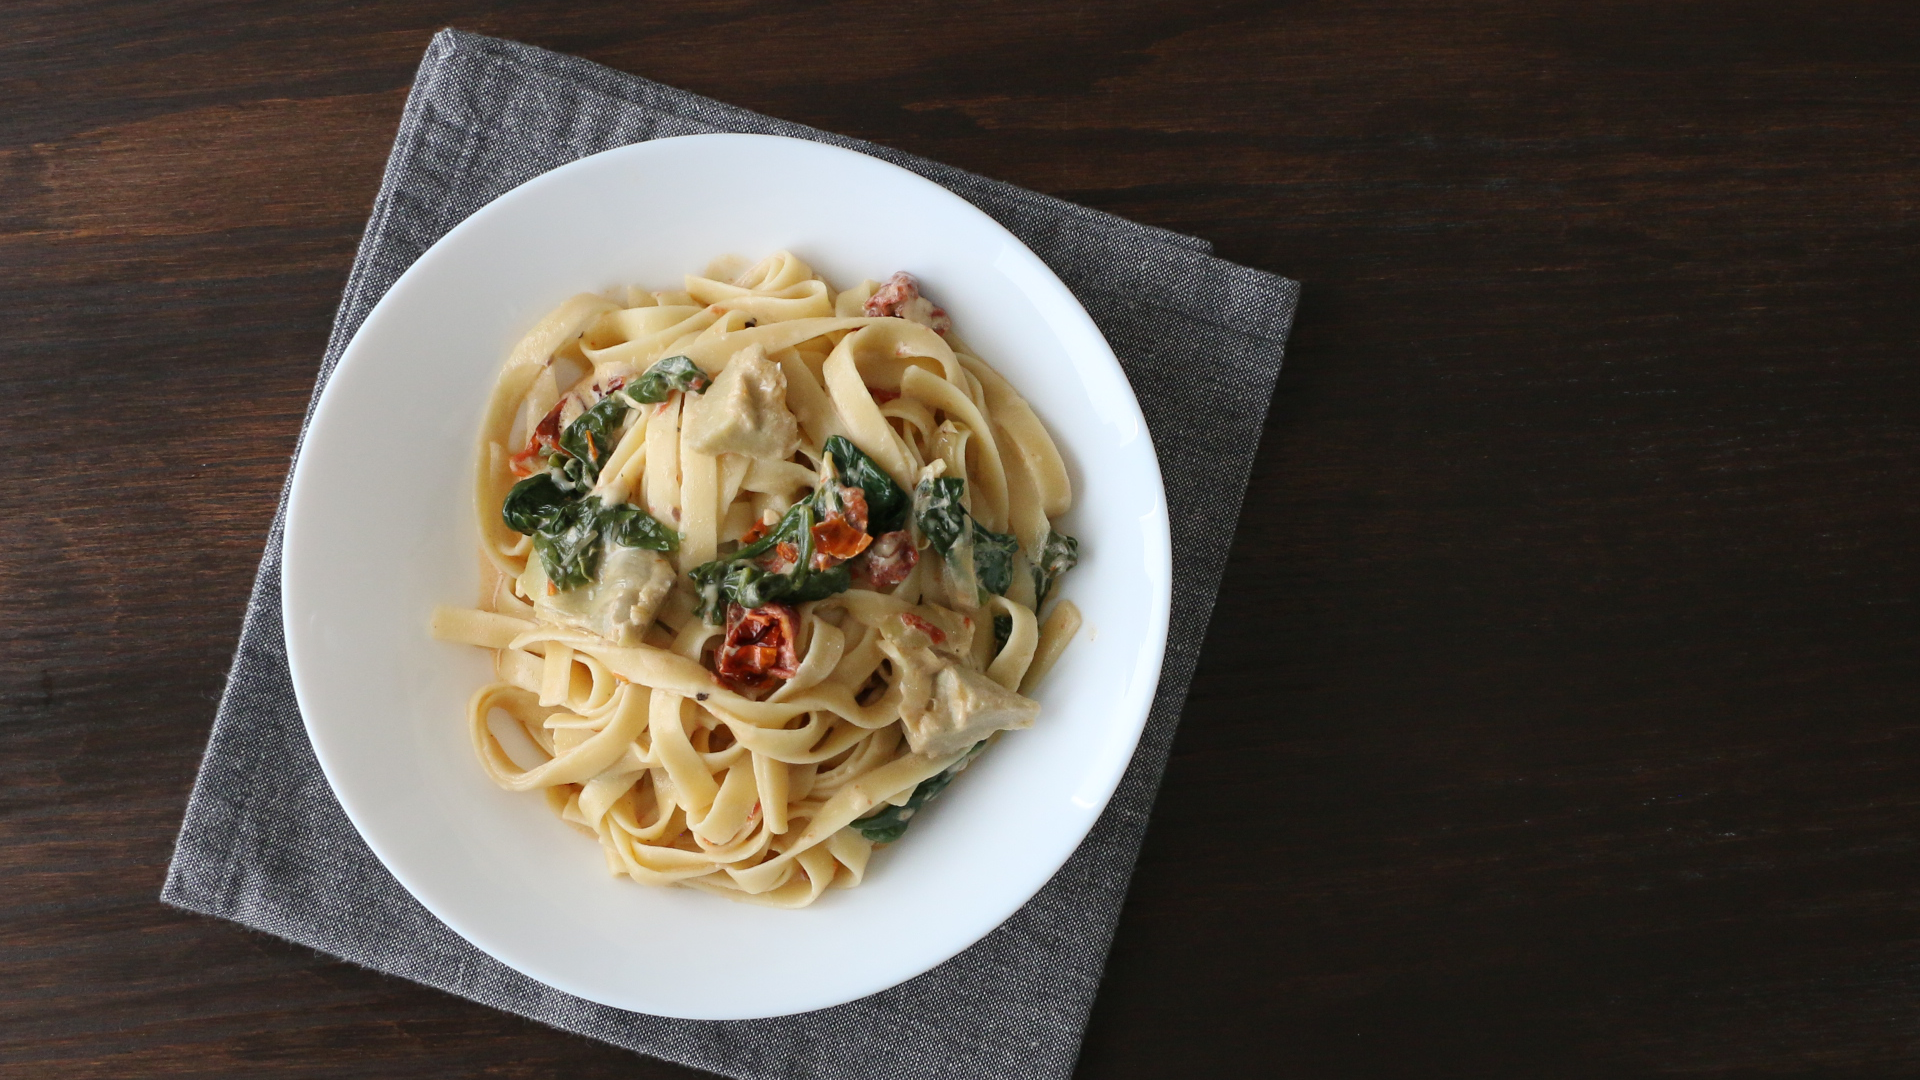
column 546, row 435
column 544, row 440
column 843, row 533
column 853, row 506
column 784, row 556
column 890, row 559
column 900, row 298
column 938, row 636
column 835, row 541
column 758, row 647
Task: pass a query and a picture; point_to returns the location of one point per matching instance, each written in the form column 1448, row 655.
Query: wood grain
column 1559, row 712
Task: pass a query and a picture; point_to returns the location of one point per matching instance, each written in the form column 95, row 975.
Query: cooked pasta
column 765, row 565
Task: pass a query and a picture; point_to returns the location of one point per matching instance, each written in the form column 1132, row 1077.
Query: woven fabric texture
column 265, row 844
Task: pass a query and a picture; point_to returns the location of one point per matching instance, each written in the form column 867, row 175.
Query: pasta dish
column 766, row 565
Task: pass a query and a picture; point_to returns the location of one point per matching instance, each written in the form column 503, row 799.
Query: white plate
column 379, row 531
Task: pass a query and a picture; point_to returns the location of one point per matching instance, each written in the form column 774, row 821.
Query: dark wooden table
column 1561, row 714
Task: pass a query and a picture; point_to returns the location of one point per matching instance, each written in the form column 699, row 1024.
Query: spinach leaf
column 587, row 442
column 630, row 526
column 993, row 558
column 666, row 376
column 591, row 436
column 533, row 502
column 1002, row 630
column 886, row 826
column 1058, row 555
column 750, row 586
column 887, row 505
column 939, row 513
column 569, row 531
column 570, row 535
column 739, row 579
column 946, row 523
column 569, row 544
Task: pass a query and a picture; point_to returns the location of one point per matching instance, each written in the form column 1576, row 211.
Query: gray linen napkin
column 265, row 844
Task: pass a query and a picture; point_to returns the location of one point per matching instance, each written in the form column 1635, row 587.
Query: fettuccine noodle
column 766, row 565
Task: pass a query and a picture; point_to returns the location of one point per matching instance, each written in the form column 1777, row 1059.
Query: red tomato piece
column 759, row 646
column 891, row 559
column 545, row 439
column 938, row 635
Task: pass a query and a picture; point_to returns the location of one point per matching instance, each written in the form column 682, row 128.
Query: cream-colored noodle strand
column 466, row 626
column 661, row 483
column 733, row 474
column 847, row 804
column 1061, row 624
column 1026, row 519
column 1021, row 589
column 783, row 478
column 712, row 354
column 851, row 850
column 692, row 783
column 1016, row 656
column 801, row 300
column 861, row 418
column 519, row 668
column 887, row 344
column 731, row 804
column 556, row 678
column 578, row 764
column 699, row 507
column 1037, row 448
column 650, row 345
column 540, row 398
column 988, row 484
column 623, row 466
column 911, row 412
column 526, row 364
column 770, row 777
column 602, row 684
column 822, row 656
column 600, row 793
column 505, row 602
column 807, row 400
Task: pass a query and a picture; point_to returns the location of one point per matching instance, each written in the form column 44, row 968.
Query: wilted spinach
column 993, row 558
column 569, row 544
column 938, row 511
column 886, row 826
column 587, row 442
column 533, row 502
column 1059, row 555
column 572, row 538
column 887, row 504
column 630, row 526
column 569, row 531
column 666, row 376
column 740, row 579
column 944, row 521
column 590, row 438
